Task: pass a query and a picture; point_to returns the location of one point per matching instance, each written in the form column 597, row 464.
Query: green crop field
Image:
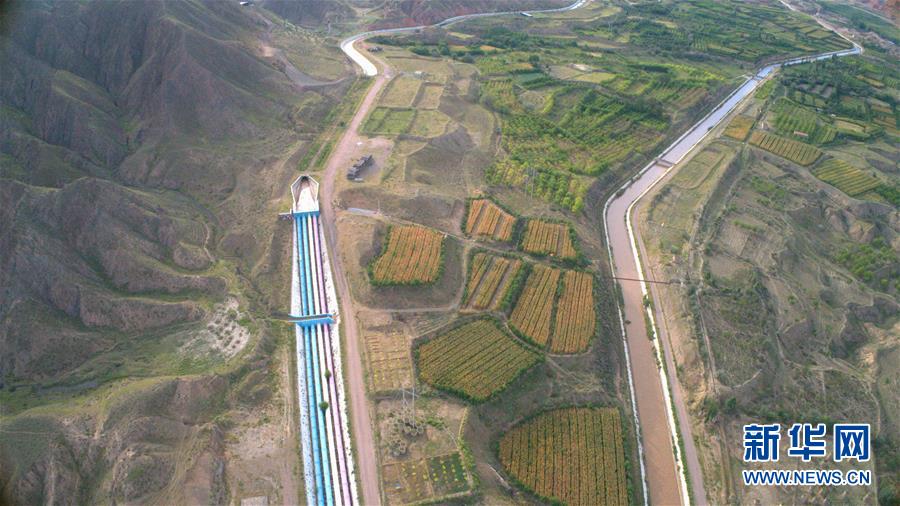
column 573, row 455
column 475, row 360
column 389, row 121
column 802, row 123
column 797, row 152
column 845, row 177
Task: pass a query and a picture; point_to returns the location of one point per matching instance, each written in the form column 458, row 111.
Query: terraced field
column 487, row 220
column 411, row 255
column 570, row 456
column 533, row 313
column 797, row 152
column 490, row 277
column 845, row 177
column 548, row 238
column 475, row 361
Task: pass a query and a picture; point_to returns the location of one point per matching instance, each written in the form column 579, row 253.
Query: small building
column 375, row 49
column 355, row 170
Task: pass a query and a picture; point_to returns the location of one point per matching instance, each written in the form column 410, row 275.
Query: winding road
column 653, row 391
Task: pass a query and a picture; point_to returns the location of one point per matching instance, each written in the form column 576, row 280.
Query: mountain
column 309, row 13
column 394, row 13
column 145, row 148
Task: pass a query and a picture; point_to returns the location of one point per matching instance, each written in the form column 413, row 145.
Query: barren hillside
column 144, row 150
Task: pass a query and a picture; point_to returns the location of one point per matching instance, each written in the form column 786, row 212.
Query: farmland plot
column 489, row 279
column 797, row 152
column 389, row 360
column 739, row 127
column 430, row 96
column 845, row 177
column 533, row 311
column 575, row 317
column 474, row 361
column 425, row 479
column 797, row 121
column 546, row 238
column 411, row 256
column 389, row 121
column 428, row 123
column 487, row 220
column 401, row 92
column 571, row 455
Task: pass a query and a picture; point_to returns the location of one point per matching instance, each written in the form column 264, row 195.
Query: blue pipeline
column 310, row 388
column 308, row 309
column 313, row 419
column 327, row 320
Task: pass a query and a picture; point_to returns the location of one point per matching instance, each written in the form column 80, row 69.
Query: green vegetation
column 752, row 32
column 765, row 90
column 389, row 121
column 890, row 193
column 875, row 263
column 857, row 91
column 573, row 108
column 864, row 20
column 802, row 123
column 844, row 103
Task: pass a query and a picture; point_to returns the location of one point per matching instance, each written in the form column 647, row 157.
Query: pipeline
column 324, row 395
column 310, row 377
column 317, row 376
column 331, row 481
column 343, row 471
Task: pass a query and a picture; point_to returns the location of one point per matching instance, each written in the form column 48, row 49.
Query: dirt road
column 360, row 417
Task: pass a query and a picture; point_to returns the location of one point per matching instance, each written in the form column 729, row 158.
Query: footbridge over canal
column 324, row 432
